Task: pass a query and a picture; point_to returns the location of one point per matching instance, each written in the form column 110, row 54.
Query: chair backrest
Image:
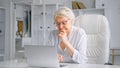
column 98, row 33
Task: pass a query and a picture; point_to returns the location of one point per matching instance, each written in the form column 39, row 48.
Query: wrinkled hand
column 63, row 35
column 60, row 57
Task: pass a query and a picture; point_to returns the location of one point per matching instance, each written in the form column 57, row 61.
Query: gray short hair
column 64, row 11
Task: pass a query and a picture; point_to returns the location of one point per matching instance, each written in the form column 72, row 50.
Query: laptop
column 41, row 56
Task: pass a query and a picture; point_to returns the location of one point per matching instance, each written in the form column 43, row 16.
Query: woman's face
column 63, row 24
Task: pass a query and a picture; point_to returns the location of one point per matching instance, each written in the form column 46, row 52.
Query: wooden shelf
column 114, row 53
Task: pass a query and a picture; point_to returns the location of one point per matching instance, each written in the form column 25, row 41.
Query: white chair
column 98, row 33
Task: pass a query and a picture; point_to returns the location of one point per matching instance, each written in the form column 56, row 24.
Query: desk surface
column 21, row 64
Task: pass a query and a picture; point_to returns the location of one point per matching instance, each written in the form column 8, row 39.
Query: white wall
column 113, row 14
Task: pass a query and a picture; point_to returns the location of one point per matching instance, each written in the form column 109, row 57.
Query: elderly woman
column 70, row 40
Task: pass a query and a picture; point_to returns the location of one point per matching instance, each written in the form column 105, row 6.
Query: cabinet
column 100, row 3
column 42, row 22
column 2, row 33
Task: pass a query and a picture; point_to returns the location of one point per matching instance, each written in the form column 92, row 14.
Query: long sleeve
column 78, row 40
column 79, row 55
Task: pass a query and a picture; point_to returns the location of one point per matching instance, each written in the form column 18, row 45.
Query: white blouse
column 78, row 40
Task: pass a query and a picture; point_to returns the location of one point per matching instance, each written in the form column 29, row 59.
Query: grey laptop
column 41, row 56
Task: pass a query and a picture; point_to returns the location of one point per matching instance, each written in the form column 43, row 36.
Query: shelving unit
column 35, row 26
column 78, row 12
column 115, row 52
column 2, row 33
column 22, row 22
column 98, row 8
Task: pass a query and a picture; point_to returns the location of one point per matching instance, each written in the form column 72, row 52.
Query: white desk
column 21, row 64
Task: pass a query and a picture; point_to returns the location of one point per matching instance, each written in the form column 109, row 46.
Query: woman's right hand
column 63, row 35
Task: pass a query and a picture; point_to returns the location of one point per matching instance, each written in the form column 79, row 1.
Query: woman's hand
column 65, row 43
column 60, row 57
column 63, row 35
